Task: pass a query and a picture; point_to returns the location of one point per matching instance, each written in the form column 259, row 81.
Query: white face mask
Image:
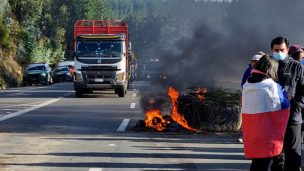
column 279, row 56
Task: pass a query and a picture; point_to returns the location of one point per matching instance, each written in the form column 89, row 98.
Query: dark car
column 37, row 74
column 62, row 74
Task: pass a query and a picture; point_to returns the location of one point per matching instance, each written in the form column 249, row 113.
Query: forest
column 42, row 31
column 202, row 34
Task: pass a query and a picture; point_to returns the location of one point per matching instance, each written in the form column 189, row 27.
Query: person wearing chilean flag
column 265, row 113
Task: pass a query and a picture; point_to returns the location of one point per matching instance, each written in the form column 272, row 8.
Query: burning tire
column 195, row 110
column 220, row 111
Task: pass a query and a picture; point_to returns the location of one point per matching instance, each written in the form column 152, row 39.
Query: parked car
column 62, row 74
column 70, row 64
column 38, row 73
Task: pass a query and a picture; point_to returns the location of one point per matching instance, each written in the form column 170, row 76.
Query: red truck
column 101, row 56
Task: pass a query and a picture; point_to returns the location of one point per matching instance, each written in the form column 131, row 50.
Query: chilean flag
column 265, row 113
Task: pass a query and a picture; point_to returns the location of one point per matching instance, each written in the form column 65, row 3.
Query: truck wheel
column 121, row 92
column 78, row 93
column 87, row 91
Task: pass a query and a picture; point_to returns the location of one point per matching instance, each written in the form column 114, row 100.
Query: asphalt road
column 46, row 128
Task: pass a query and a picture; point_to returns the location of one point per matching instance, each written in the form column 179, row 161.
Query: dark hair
column 296, row 56
column 279, row 40
column 268, row 65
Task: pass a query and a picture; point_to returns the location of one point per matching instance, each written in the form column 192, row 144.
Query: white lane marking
column 134, row 94
column 112, row 145
column 95, row 169
column 7, row 90
column 28, row 110
column 123, row 125
column 9, row 109
column 37, row 91
column 132, row 106
column 25, row 104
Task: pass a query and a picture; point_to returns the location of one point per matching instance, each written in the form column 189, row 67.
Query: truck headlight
column 78, row 76
column 43, row 74
column 120, row 76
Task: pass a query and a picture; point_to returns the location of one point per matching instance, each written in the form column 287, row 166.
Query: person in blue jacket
column 255, row 58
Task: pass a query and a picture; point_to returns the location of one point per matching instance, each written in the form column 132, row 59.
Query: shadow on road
column 183, row 166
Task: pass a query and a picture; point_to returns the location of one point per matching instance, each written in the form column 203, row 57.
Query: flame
column 200, row 92
column 155, row 120
column 177, row 117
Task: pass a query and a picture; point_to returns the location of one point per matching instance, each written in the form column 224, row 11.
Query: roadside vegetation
column 42, row 31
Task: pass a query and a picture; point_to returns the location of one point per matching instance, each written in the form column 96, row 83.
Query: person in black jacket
column 291, row 78
column 297, row 53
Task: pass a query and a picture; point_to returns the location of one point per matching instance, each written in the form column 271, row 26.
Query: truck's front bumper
column 95, row 86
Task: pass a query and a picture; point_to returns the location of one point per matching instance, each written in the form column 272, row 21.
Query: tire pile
column 220, row 111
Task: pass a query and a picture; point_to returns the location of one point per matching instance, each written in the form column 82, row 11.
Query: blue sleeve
column 245, row 76
column 283, row 97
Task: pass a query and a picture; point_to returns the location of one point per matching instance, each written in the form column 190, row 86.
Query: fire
column 200, row 93
column 177, row 117
column 155, row 120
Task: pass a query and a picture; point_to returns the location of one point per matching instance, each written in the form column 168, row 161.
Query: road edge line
column 2, row 118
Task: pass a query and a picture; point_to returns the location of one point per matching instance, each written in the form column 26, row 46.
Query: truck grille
column 98, row 76
column 99, row 68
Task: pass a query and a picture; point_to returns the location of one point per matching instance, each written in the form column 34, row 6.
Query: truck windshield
column 99, row 48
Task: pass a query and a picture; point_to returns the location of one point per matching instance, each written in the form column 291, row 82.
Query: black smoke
column 213, row 51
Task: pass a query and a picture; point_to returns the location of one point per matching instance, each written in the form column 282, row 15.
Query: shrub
column 4, row 32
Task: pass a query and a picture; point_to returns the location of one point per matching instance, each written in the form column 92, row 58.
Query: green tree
column 99, row 10
column 4, row 5
column 4, row 32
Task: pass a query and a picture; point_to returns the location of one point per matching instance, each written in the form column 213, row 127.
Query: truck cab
column 101, row 56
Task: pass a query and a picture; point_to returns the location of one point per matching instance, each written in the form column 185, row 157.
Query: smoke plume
column 209, row 43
